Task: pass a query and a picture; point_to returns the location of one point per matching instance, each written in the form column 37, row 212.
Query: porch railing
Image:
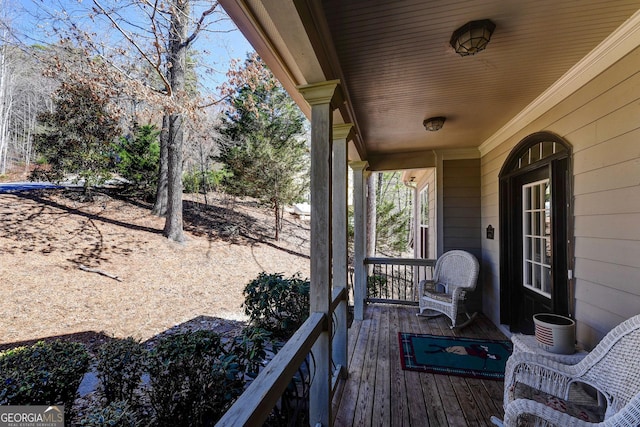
column 395, row 280
column 390, row 280
column 254, row 406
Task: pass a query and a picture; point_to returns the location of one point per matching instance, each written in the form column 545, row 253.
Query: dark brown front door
column 534, row 242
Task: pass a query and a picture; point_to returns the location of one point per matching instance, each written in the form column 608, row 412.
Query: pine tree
column 139, row 158
column 262, row 143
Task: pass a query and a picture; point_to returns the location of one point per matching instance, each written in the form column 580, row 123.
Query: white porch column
column 323, row 98
column 439, row 217
column 341, row 134
column 360, row 237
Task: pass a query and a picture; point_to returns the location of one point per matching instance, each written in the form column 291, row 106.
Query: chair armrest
column 421, row 285
column 629, row 415
column 421, row 288
column 458, row 292
column 541, row 412
column 539, row 372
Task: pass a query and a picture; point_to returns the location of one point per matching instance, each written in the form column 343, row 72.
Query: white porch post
column 439, row 217
column 323, row 98
column 341, row 134
column 360, row 237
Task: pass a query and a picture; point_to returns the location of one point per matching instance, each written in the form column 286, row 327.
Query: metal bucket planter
column 555, row 333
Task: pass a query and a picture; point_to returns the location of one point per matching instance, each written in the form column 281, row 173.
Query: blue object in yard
column 15, row 187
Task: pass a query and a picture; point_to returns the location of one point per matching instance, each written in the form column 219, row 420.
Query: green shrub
column 47, row 373
column 120, row 365
column 191, row 182
column 249, row 348
column 277, row 304
column 195, row 181
column 115, row 414
column 194, row 379
column 41, row 160
column 375, row 285
column 139, row 159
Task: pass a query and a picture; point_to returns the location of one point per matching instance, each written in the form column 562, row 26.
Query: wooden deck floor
column 379, row 393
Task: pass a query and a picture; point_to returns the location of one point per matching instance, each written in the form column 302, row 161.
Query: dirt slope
column 46, row 237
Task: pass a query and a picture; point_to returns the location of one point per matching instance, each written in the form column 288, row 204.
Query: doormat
column 465, row 357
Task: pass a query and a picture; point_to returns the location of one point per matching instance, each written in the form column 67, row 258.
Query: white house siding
column 602, row 123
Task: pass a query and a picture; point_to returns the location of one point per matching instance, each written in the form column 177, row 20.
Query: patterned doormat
column 465, row 357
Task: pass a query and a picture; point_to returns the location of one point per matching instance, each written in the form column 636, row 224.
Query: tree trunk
column 173, row 228
column 276, row 211
column 5, row 110
column 160, row 206
column 173, row 224
column 203, row 172
column 371, row 214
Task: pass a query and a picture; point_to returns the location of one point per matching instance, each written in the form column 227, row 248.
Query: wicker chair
column 540, row 392
column 455, row 275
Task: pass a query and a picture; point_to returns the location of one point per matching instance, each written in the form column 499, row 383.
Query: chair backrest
column 614, row 364
column 457, row 269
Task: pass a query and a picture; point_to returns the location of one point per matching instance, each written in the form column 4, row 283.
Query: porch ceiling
column 397, row 68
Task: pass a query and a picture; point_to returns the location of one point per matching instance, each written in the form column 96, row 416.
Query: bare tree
column 372, row 181
column 6, row 88
column 162, row 191
column 169, row 64
column 109, row 40
column 24, row 93
column 177, row 58
column 6, row 100
column 203, row 139
column 32, row 95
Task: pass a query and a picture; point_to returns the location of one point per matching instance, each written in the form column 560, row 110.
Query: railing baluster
column 395, row 279
column 394, row 284
column 261, row 396
column 404, row 281
column 389, row 279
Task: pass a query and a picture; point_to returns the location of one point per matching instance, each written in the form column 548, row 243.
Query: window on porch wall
column 424, row 223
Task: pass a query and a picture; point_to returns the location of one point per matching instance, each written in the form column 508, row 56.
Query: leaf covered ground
column 45, row 238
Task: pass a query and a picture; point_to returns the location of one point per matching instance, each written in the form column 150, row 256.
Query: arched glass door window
column 539, row 147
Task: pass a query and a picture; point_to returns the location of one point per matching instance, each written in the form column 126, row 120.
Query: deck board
column 379, row 393
column 413, row 383
column 399, row 407
column 369, row 371
column 381, row 402
column 344, row 407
